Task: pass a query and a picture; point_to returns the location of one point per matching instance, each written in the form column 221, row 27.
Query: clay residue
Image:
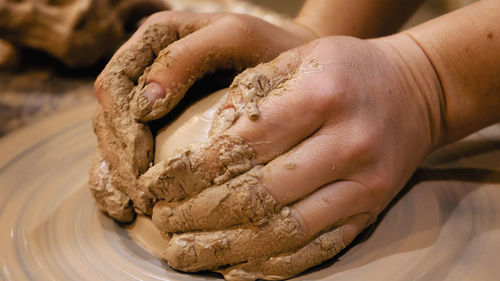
column 107, row 196
column 241, row 200
column 289, row 264
column 196, row 167
column 208, row 250
column 126, row 145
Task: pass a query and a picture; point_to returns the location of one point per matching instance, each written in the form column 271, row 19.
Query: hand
column 150, row 74
column 306, row 152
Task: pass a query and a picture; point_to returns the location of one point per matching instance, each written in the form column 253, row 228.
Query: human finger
column 196, row 167
column 330, row 154
column 205, row 250
column 126, row 145
column 240, row 200
column 255, row 195
column 287, row 231
column 287, row 265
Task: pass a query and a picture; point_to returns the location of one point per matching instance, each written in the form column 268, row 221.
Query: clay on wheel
column 190, row 127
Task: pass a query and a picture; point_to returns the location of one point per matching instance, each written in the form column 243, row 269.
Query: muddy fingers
column 124, row 160
column 108, row 197
column 212, row 249
column 203, row 49
column 197, row 167
column 115, row 84
column 253, row 85
column 284, row 266
column 241, row 200
column 126, row 145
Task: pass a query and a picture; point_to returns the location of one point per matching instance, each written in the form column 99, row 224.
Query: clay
column 287, row 265
column 196, row 167
column 207, row 250
column 127, row 145
column 78, row 32
column 240, row 200
column 248, row 89
column 107, row 196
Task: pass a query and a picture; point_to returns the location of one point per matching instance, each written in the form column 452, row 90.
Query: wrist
column 420, row 82
column 463, row 49
column 302, row 31
column 313, row 21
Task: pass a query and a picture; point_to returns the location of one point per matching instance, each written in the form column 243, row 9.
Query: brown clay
column 242, row 199
column 207, row 250
column 78, row 32
column 194, row 168
column 287, row 265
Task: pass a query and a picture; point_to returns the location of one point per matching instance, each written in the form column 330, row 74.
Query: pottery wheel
column 445, row 226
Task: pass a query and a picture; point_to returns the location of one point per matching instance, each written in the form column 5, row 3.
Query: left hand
column 323, row 138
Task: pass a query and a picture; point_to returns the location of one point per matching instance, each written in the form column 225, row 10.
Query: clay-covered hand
column 150, row 74
column 305, row 153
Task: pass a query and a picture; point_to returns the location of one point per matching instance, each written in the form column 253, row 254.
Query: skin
column 155, row 62
column 341, row 135
column 158, row 71
column 333, row 145
column 251, row 41
column 360, row 18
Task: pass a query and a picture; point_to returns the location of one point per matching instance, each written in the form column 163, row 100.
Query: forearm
column 463, row 47
column 363, row 18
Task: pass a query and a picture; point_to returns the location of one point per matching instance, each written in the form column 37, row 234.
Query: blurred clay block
column 9, row 56
column 78, row 32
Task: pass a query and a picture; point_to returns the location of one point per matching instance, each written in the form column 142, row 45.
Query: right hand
column 150, row 74
column 306, row 152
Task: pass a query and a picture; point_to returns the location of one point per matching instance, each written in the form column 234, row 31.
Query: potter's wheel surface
column 446, row 227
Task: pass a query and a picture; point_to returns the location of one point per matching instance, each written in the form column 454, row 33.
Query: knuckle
column 329, row 95
column 378, row 186
column 373, row 193
column 98, row 86
column 235, row 19
column 362, row 145
column 159, row 17
column 238, row 25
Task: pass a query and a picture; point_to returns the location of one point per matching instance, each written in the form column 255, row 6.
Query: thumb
column 231, row 42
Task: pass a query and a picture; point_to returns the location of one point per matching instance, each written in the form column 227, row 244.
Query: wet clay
column 242, row 199
column 207, row 250
column 287, row 265
column 107, row 197
column 197, row 167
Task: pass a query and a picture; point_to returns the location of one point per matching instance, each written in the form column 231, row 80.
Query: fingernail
column 153, row 91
